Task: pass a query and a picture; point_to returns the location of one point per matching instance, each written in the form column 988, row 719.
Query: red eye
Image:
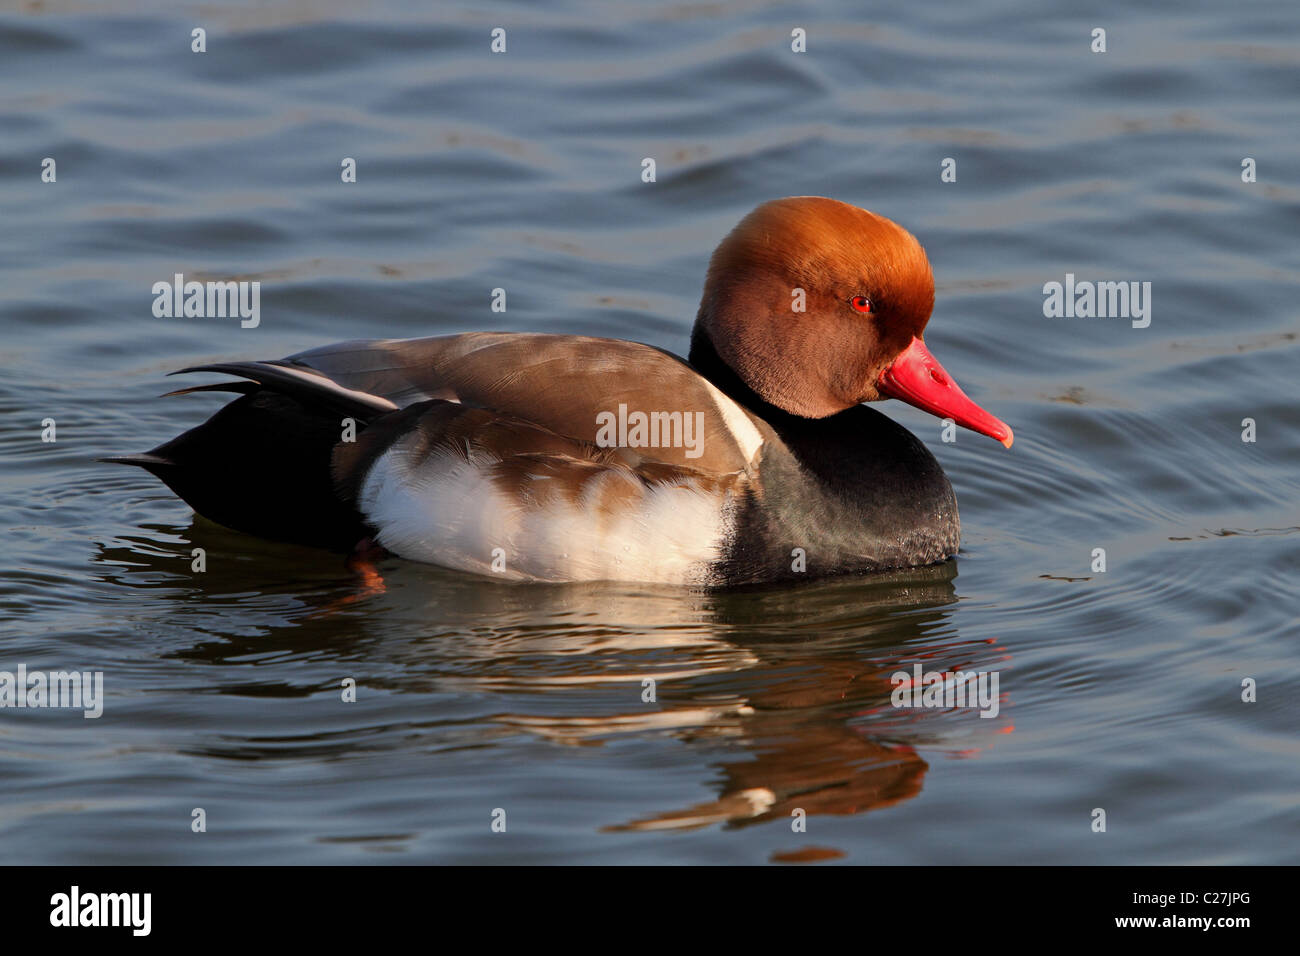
column 861, row 303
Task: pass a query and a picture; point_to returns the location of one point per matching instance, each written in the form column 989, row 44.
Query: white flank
column 446, row 511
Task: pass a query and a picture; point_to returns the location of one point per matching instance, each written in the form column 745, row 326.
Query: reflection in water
column 785, row 690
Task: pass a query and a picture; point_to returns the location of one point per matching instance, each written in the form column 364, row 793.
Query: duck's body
column 563, row 458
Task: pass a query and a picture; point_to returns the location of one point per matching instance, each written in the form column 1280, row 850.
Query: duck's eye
column 861, row 303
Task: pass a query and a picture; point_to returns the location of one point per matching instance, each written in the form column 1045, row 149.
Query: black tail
column 262, row 465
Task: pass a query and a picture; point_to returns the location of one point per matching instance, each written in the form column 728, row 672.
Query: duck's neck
column 705, row 360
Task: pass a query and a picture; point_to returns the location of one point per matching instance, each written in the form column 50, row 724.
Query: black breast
column 855, row 492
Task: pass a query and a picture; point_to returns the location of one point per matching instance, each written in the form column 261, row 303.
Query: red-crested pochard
column 536, row 457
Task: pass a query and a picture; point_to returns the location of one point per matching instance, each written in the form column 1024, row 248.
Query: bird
column 543, row 457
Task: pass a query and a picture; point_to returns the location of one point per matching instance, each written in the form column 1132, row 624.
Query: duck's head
column 818, row 306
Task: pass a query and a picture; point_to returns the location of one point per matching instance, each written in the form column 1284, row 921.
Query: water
column 1120, row 690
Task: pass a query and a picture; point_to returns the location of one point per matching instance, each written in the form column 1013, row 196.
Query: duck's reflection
column 789, row 688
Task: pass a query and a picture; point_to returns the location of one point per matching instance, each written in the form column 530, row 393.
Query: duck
column 542, row 457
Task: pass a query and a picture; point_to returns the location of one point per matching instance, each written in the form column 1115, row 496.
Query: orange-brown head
column 818, row 306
